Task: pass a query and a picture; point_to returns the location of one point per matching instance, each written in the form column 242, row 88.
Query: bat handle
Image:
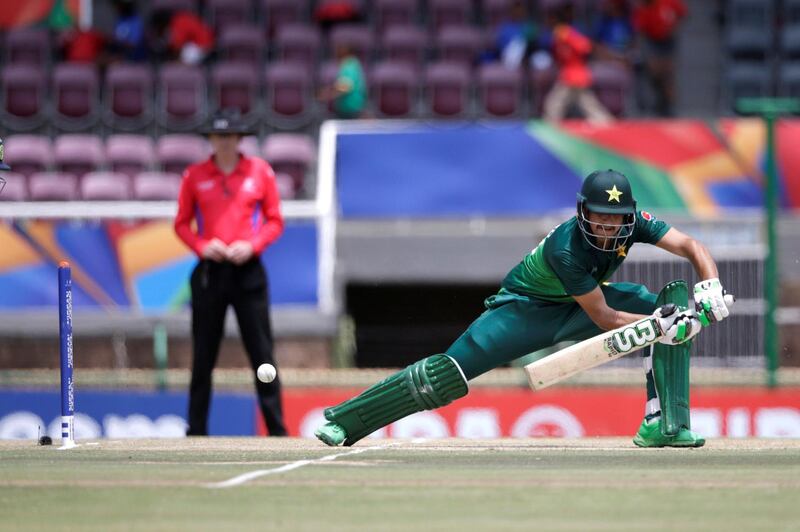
column 730, row 299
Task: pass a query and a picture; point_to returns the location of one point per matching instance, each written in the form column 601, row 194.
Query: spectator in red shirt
column 234, row 200
column 180, row 35
column 657, row 21
column 571, row 50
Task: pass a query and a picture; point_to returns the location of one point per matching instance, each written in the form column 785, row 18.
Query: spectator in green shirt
column 349, row 90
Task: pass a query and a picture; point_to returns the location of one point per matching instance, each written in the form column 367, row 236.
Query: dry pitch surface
column 291, row 484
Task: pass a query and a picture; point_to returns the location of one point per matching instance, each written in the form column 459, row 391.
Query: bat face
column 632, row 337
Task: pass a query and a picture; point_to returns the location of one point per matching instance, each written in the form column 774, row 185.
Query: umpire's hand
column 240, row 251
column 215, row 250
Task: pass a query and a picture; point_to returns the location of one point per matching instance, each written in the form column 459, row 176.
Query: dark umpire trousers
column 215, row 286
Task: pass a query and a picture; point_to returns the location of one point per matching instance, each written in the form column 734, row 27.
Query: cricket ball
column 266, row 372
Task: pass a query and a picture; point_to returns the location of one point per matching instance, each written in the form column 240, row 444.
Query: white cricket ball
column 266, row 372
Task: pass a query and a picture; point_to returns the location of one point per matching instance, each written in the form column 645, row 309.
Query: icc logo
column 636, row 335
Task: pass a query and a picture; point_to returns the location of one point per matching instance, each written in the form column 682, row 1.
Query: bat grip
column 729, row 299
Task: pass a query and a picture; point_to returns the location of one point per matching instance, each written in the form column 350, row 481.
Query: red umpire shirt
column 243, row 205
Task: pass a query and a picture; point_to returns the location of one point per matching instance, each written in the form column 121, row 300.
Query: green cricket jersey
column 564, row 264
column 351, row 103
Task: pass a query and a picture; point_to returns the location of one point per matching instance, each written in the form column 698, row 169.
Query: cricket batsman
column 560, row 292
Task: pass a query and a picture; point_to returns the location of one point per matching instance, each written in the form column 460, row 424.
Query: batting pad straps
column 430, row 383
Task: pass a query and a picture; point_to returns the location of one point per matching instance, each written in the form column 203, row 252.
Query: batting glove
column 678, row 326
column 709, row 297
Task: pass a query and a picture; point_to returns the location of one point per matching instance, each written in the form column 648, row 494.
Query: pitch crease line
column 247, row 477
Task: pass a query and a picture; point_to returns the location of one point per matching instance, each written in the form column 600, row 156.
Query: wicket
column 65, row 336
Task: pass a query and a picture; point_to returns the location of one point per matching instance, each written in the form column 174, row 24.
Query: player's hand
column 678, row 326
column 709, row 297
column 240, row 251
column 215, row 250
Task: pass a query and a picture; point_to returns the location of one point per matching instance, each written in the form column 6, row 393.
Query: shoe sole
column 326, row 439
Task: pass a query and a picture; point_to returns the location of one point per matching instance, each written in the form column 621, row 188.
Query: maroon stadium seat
column 496, row 11
column 79, row 154
column 611, row 83
column 23, row 97
column 29, row 46
column 105, row 186
column 242, row 43
column 499, row 90
column 298, row 43
column 76, row 96
column 14, row 188
column 540, row 82
column 288, row 94
column 128, row 96
column 28, row 154
column 405, row 44
column 394, row 88
column 182, row 96
column 291, row 154
column 461, row 44
column 236, row 86
column 175, row 5
column 249, row 146
column 285, row 185
column 390, row 13
column 442, row 13
column 278, row 13
column 154, row 186
column 130, row 154
column 52, row 186
column 177, row 151
column 223, row 13
column 357, row 37
column 447, row 90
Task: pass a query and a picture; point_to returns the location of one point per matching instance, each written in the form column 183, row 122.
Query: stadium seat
column 288, row 95
column 395, row 89
column 442, row 13
column 223, row 13
column 389, row 13
column 76, row 96
column 249, row 146
column 30, row 46
column 128, row 103
column 358, row 37
column 496, row 11
column 23, row 95
column 78, row 153
column 789, row 79
column 155, row 186
column 177, row 151
column 15, row 187
column 405, row 44
column 291, row 154
column 236, row 85
column 242, row 43
column 499, row 90
column 182, row 97
column 326, row 75
column 746, row 79
column 790, row 33
column 278, row 13
column 447, row 90
column 28, row 154
column 612, row 82
column 175, row 5
column 52, row 186
column 540, row 81
column 461, row 44
column 105, row 186
column 130, row 154
column 749, row 29
column 298, row 43
column 285, row 186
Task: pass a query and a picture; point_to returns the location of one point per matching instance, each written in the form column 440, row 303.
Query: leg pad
column 430, row 383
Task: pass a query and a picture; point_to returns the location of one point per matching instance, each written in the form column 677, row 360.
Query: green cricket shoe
column 331, row 434
column 649, row 435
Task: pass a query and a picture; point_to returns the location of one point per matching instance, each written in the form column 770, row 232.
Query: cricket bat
column 595, row 351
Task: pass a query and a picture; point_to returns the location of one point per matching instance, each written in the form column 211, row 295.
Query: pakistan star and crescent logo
column 614, row 194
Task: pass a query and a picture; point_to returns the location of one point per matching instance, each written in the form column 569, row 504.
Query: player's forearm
column 701, row 259
column 616, row 319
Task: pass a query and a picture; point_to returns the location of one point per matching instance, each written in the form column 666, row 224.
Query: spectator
column 181, row 36
column 237, row 200
column 515, row 37
column 571, row 49
column 349, row 90
column 613, row 32
column 657, row 21
column 333, row 12
column 128, row 43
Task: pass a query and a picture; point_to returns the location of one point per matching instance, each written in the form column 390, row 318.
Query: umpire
column 236, row 205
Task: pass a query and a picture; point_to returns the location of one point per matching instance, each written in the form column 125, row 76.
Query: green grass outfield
column 376, row 485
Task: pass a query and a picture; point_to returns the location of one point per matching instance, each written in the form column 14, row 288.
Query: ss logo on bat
column 634, row 336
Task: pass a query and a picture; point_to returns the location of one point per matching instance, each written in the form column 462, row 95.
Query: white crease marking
column 247, row 477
